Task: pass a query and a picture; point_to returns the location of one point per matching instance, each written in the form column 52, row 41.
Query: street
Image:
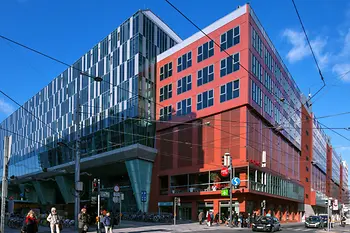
column 136, row 227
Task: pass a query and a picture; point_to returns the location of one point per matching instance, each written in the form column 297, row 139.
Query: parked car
column 315, row 222
column 266, row 223
column 324, row 219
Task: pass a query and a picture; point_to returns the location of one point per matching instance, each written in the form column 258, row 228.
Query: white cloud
column 6, row 108
column 301, row 49
column 342, row 64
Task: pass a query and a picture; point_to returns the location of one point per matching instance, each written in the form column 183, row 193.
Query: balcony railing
column 205, row 187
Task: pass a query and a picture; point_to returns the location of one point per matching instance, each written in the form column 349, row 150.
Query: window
column 307, row 158
column 229, row 65
column 229, row 91
column 165, row 113
column 256, row 67
column 184, row 84
column 205, row 99
column 166, row 71
column 256, row 94
column 306, row 196
column 184, row 107
column 230, row 38
column 307, row 169
column 268, row 105
column 205, row 51
column 307, row 179
column 268, row 81
column 166, row 92
column 256, row 41
column 307, row 147
column 307, row 133
column 184, row 62
column 205, row 75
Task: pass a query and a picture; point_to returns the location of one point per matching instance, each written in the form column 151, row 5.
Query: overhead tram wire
column 312, row 51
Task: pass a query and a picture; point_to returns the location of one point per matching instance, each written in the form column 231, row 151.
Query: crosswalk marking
column 298, row 229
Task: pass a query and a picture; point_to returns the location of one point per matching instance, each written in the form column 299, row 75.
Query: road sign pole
column 231, row 177
column 7, row 152
column 120, row 210
column 98, row 205
column 174, row 210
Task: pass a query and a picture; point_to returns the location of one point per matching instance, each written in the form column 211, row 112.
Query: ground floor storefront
column 191, row 206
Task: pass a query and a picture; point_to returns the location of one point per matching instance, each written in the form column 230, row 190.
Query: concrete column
column 140, row 174
column 66, row 187
column 46, row 192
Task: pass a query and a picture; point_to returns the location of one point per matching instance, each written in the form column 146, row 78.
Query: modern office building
column 117, row 136
column 240, row 99
column 344, row 185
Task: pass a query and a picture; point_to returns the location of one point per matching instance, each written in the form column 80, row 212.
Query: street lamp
column 78, row 184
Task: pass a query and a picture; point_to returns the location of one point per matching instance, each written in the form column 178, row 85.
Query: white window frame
column 211, row 72
column 170, row 69
column 161, row 72
column 210, row 48
column 225, row 41
column 188, row 81
column 179, row 86
column 223, row 94
column 188, row 104
column 161, row 114
column 170, row 90
column 233, row 86
column 221, row 68
column 177, row 107
column 200, row 77
column 179, row 62
column 200, row 54
column 170, row 108
column 212, row 90
column 161, row 93
column 201, row 101
column 188, row 59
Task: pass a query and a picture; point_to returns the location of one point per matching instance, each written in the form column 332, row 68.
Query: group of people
column 31, row 223
column 237, row 219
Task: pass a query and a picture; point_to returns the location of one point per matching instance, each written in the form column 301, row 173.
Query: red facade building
column 230, row 92
column 210, row 104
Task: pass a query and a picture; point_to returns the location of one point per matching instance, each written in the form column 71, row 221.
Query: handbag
column 60, row 226
column 85, row 228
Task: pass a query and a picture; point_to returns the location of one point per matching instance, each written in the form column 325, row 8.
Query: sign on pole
column 143, row 196
column 224, row 193
column 224, row 172
column 335, row 205
column 235, row 181
column 116, row 188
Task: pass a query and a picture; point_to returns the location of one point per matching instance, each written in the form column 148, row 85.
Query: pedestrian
column 241, row 219
column 30, row 223
column 200, row 217
column 83, row 221
column 216, row 219
column 107, row 223
column 54, row 220
column 209, row 219
column 100, row 220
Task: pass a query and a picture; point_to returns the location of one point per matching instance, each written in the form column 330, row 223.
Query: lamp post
column 78, row 184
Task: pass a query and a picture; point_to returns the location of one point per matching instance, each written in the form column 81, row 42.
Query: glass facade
column 336, row 160
column 126, row 61
column 319, row 147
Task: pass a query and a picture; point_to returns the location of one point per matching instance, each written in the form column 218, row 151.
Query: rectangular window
column 256, row 94
column 268, row 105
column 184, row 62
column 205, row 51
column 166, row 92
column 184, row 84
column 166, row 71
column 229, row 65
column 230, row 38
column 205, row 99
column 229, row 91
column 256, row 67
column 166, row 113
column 184, row 107
column 205, row 75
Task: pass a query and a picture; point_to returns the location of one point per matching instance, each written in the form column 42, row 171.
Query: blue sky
column 67, row 29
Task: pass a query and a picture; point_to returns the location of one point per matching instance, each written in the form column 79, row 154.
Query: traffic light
column 263, row 204
column 95, row 186
column 226, row 160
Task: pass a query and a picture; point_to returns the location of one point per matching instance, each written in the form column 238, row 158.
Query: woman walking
column 31, row 223
column 107, row 223
column 54, row 221
column 83, row 221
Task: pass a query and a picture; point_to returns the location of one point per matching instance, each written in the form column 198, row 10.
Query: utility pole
column 99, row 205
column 175, row 204
column 231, row 169
column 7, row 152
column 77, row 159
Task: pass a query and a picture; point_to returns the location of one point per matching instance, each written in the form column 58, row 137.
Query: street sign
column 122, row 196
column 115, row 194
column 116, row 199
column 116, row 188
column 235, row 181
column 143, row 196
column 224, row 192
column 224, row 172
column 105, row 194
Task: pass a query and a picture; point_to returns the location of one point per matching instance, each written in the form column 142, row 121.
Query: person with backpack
column 107, row 223
column 30, row 223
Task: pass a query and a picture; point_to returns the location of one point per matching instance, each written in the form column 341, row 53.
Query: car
column 324, row 218
column 315, row 222
column 266, row 223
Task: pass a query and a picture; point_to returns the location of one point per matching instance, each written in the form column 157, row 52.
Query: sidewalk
column 136, row 227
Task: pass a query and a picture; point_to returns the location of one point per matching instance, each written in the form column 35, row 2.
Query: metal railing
column 205, row 187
